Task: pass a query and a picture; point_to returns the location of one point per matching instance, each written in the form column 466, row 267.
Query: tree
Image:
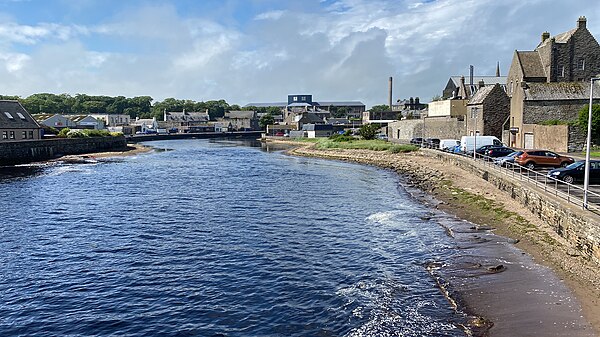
column 583, row 121
column 266, row 120
column 368, row 131
column 436, row 98
column 379, row 108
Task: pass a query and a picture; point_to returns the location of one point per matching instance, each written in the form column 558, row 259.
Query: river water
column 217, row 238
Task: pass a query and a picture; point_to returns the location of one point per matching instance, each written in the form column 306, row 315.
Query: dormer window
column 581, row 64
column 8, row 115
column 295, row 98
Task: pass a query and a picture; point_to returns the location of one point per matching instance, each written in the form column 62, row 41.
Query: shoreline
column 131, row 150
column 473, row 199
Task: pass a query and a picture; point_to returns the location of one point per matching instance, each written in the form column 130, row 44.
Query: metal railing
column 570, row 192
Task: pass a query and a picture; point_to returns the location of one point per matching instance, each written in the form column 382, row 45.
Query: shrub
column 77, row 134
column 345, row 137
column 368, row 131
column 63, row 133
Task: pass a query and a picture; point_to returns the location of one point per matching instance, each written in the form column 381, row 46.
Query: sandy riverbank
column 131, row 150
column 524, row 299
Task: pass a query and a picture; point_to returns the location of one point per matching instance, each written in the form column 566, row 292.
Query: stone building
column 245, row 120
column 491, row 106
column 551, row 83
column 16, row 124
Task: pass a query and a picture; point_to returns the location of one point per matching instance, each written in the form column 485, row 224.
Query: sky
column 262, row 50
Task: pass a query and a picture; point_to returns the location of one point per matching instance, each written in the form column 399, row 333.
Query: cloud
column 335, row 50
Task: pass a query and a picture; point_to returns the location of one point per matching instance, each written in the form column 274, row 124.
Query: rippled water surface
column 216, row 238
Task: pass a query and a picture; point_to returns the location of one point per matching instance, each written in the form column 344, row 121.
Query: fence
column 570, row 192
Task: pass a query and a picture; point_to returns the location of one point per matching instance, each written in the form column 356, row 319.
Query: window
column 30, row 134
column 21, row 115
column 8, row 115
column 12, row 135
column 4, row 134
column 24, row 135
column 562, row 71
column 581, row 64
column 295, row 98
column 303, row 98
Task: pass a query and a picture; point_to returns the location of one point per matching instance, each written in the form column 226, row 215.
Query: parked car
column 534, row 158
column 467, row 143
column 483, row 149
column 417, row 141
column 576, row 172
column 448, row 144
column 510, row 158
column 382, row 136
column 432, row 143
column 496, row 152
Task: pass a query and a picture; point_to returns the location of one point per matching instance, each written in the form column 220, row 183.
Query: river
column 218, row 238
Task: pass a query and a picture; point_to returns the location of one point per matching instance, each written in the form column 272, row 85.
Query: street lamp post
column 586, row 180
column 474, row 115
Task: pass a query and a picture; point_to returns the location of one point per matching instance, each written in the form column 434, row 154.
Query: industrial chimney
column 390, row 94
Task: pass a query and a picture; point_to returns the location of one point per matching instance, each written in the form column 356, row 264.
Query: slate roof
column 481, row 94
column 15, row 110
column 266, row 105
column 531, row 64
column 487, row 80
column 77, row 118
column 240, row 114
column 341, row 103
column 560, row 91
column 186, row 116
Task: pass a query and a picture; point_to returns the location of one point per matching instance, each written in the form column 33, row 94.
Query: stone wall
column 577, row 139
column 535, row 112
column 428, row 127
column 444, row 127
column 405, row 129
column 581, row 228
column 36, row 150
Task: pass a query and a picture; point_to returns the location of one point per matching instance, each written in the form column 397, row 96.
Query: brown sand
column 130, row 150
column 468, row 197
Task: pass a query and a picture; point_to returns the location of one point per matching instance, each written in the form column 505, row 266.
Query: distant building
column 86, row 122
column 144, row 125
column 113, row 120
column 56, row 121
column 298, row 103
column 244, row 120
column 552, row 83
column 487, row 111
column 184, row 120
column 16, row 124
column 470, row 85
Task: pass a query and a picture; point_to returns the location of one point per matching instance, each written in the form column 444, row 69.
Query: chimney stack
column 390, row 94
column 481, row 84
column 471, row 74
column 545, row 36
column 581, row 22
column 498, row 69
column 417, row 100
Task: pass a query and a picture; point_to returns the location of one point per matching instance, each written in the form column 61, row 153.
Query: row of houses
column 17, row 124
column 535, row 106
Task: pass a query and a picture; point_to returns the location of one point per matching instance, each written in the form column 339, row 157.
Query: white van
column 468, row 143
column 448, row 144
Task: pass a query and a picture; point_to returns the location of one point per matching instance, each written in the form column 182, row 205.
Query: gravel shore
column 477, row 201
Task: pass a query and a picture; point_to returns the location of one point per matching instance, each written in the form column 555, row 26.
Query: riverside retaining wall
column 36, row 150
column 581, row 228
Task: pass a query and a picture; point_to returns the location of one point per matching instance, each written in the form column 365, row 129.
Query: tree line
column 140, row 106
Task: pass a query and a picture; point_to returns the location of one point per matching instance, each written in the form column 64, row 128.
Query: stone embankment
column 12, row 153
